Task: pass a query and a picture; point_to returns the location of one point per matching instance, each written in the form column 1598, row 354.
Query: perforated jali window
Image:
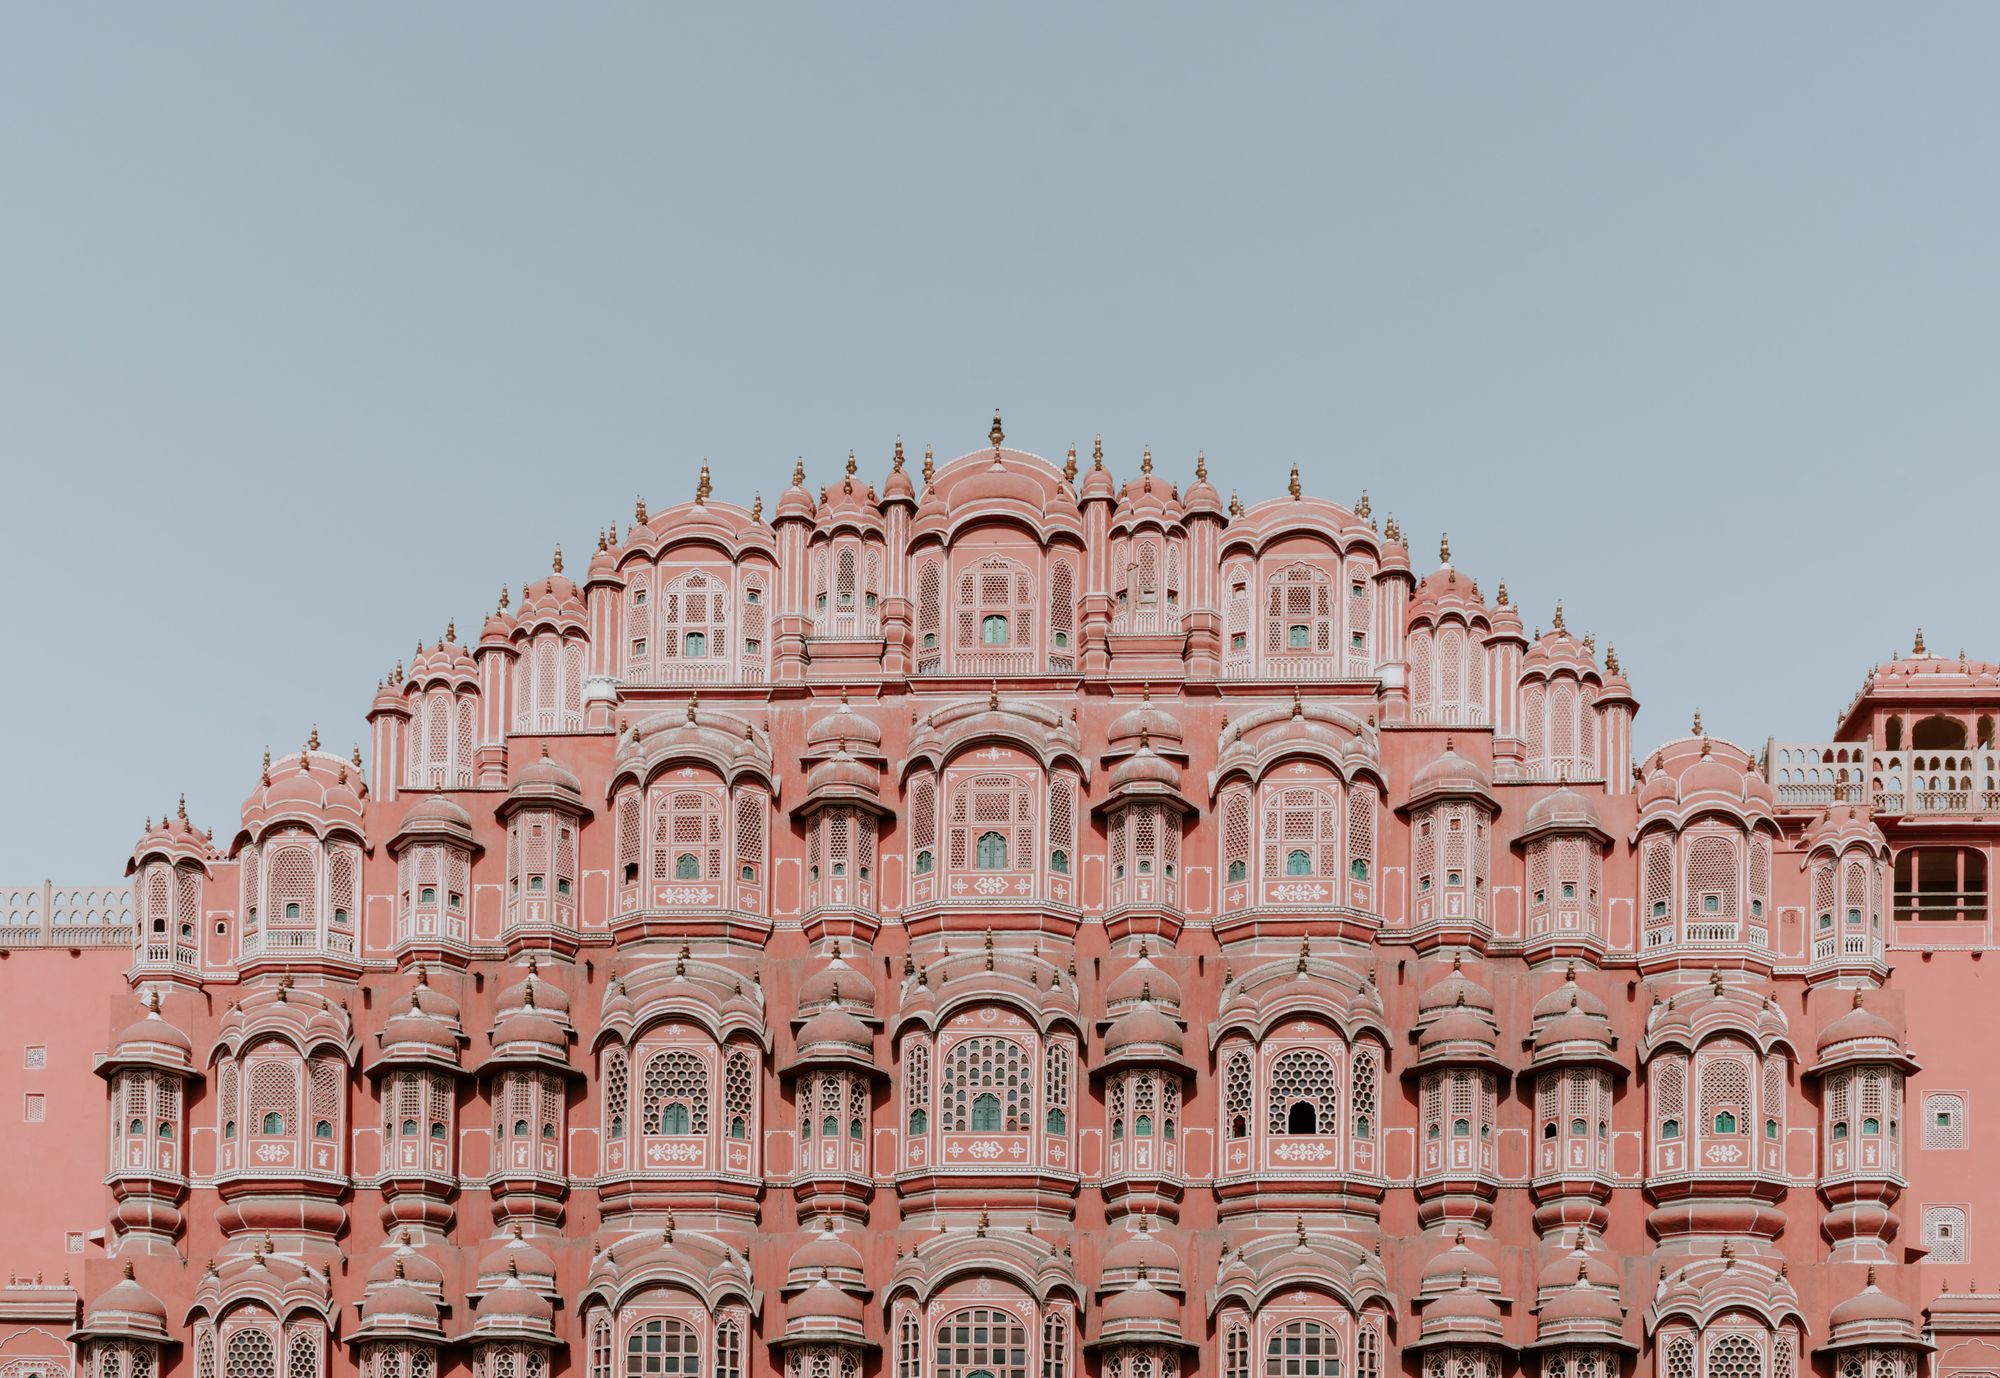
column 694, row 618
column 1236, row 835
column 687, row 834
column 1734, row 1356
column 986, row 1087
column 1302, row 1349
column 1302, row 833
column 996, row 599
column 1304, row 1093
column 676, row 1094
column 1362, row 1094
column 992, row 824
column 1298, row 611
column 1237, row 1093
column 250, row 1354
column 1711, row 878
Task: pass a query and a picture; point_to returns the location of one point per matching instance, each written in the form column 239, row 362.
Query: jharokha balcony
column 1958, row 781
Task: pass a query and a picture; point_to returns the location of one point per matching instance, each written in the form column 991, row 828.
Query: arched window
column 1302, row 1349
column 993, row 823
column 662, row 1348
column 676, row 1094
column 982, row 1341
column 986, row 1087
column 1304, row 1093
column 250, row 1354
column 1734, row 1356
column 995, row 602
column 1298, row 610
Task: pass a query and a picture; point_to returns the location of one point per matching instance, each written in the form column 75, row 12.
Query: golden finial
column 1918, row 648
column 181, row 812
column 1559, row 624
column 1294, row 487
column 555, row 562
column 1444, row 548
column 982, row 1214
column 1611, row 659
column 1697, row 722
column 897, row 462
column 996, row 435
column 1235, row 504
column 993, row 696
column 757, row 508
column 504, row 596
column 1502, row 594
column 703, row 487
column 1069, row 466
column 312, row 739
column 1298, row 704
column 930, row 467
column 852, row 467
column 1097, row 453
column 799, row 474
column 1146, row 461
column 1200, row 467
column 639, row 510
column 267, row 765
column 692, row 703
column 1361, row 509
column 451, row 630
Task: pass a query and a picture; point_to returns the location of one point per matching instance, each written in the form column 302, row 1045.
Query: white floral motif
column 1298, row 894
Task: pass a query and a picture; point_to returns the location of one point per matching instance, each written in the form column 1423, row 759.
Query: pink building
column 1015, row 924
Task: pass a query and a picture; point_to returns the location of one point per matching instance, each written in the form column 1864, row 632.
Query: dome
column 795, row 503
column 516, row 1257
column 546, row 781
column 826, row 1253
column 1872, row 1308
column 1564, row 810
column 530, row 1026
column 1565, row 1270
column 124, row 1303
column 825, row 1304
column 413, row 1028
column 1569, row 997
column 1144, row 1027
column 835, row 1028
column 406, row 1262
column 1141, row 1302
column 532, row 990
column 1148, row 722
column 1142, row 980
column 1444, row 591
column 399, row 1302
column 1583, row 1304
column 434, row 818
column 515, row 1302
column 998, row 483
column 1142, row 1248
column 897, row 487
column 1462, row 1309
column 1450, row 776
column 1453, row 989
column 1201, row 498
column 845, row 728
column 151, row 1029
column 1461, row 1026
column 837, row 982
column 842, row 776
column 1145, row 770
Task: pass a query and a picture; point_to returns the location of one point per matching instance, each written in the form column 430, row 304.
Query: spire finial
column 555, row 563
column 1146, row 461
column 993, row 695
column 995, row 434
column 1697, row 722
column 267, row 765
column 1069, row 465
column 312, row 738
column 757, row 508
column 1444, row 548
column 1501, row 596
column 1295, row 488
column 1917, row 648
column 930, row 467
column 703, row 487
column 506, row 595
column 852, row 467
column 1559, row 624
column 1611, row 658
column 693, row 703
column 799, row 474
column 1200, row 467
column 181, row 809
column 639, row 509
column 1298, row 704
column 1235, row 504
column 896, row 461
column 1097, row 453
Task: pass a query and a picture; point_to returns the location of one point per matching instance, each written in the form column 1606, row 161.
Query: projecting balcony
column 1928, row 782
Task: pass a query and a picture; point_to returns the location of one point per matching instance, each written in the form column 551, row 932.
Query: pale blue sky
column 1685, row 316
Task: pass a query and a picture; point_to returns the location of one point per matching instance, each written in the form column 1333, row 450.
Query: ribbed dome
column 399, row 1301
column 835, row 1028
column 837, row 980
column 1453, row 989
column 844, row 726
column 1142, row 1248
column 1142, row 980
column 151, row 1028
column 125, row 1299
column 546, row 779
column 1870, row 1306
column 1450, row 776
column 1565, row 810
column 1141, row 1302
column 1144, row 1027
column 825, row 1303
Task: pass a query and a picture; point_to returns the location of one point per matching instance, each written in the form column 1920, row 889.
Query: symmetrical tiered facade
column 1024, row 926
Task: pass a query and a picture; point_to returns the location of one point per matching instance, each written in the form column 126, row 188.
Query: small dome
column 1566, row 1269
column 1461, row 1026
column 1145, row 1249
column 837, row 982
column 151, row 1028
column 836, row 1028
column 843, row 776
column 1148, row 721
column 1564, row 811
column 826, row 1252
column 1142, row 980
column 413, row 1026
column 1453, row 989
column 399, row 1301
column 514, row 1300
column 530, row 1026
column 124, row 1301
column 825, row 1304
column 1461, row 1308
column 1871, row 1306
column 844, row 727
column 1144, row 768
column 1450, row 776
column 546, row 780
column 1857, row 1024
column 1141, row 1303
column 1144, row 1027
column 1583, row 1304
column 1568, row 997
column 532, row 990
column 416, row 1268
column 517, row 1257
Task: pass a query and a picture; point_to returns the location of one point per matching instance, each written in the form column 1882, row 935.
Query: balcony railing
column 1957, row 780
column 1312, row 668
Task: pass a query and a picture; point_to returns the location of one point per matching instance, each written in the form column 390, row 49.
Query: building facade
column 1015, row 924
